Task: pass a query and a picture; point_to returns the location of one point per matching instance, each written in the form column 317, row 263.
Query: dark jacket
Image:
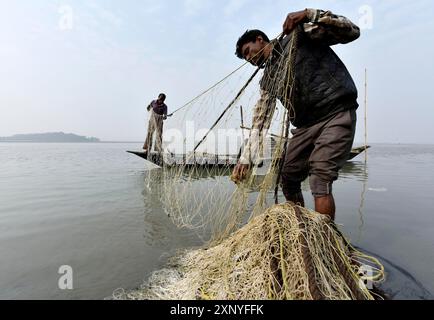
column 161, row 110
column 315, row 84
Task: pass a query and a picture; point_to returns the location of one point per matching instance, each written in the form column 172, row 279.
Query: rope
column 209, row 89
column 307, row 259
column 288, row 117
column 229, row 106
column 279, row 37
column 344, row 271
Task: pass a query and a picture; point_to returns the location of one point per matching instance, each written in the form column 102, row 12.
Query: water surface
column 89, row 206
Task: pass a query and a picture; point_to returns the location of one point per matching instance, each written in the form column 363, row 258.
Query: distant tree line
column 49, row 137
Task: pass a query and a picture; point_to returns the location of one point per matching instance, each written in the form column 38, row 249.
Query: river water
column 88, row 206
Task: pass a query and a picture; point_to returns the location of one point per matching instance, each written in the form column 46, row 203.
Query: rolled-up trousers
column 318, row 152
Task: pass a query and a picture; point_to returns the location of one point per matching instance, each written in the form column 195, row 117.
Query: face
column 161, row 100
column 255, row 52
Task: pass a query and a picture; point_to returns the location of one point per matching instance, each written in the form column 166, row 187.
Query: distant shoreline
column 49, row 137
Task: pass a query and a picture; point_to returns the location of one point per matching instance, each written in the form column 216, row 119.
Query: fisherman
column 158, row 111
column 322, row 101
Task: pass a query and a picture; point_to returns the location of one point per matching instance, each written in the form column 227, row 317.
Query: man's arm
column 149, row 106
column 323, row 26
column 329, row 27
column 262, row 116
column 165, row 113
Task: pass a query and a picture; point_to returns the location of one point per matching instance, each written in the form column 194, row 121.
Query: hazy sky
column 90, row 66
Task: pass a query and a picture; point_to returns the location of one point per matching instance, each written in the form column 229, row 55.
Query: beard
column 259, row 60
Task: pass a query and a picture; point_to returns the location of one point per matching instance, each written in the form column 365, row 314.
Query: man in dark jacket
column 158, row 111
column 308, row 78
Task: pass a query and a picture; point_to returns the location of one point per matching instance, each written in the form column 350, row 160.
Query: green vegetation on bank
column 49, row 137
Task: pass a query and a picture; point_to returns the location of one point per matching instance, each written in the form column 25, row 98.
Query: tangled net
column 287, row 253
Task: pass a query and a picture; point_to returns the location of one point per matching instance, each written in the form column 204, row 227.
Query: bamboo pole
column 228, row 107
column 366, row 114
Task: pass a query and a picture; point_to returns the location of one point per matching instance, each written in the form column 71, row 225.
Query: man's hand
column 240, row 173
column 294, row 19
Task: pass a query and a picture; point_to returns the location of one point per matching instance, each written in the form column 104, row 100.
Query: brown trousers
column 318, row 152
column 155, row 125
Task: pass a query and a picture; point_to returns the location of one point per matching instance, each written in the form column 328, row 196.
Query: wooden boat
column 207, row 160
column 356, row 151
column 203, row 160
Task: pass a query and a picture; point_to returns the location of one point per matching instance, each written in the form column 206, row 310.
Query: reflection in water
column 156, row 227
column 362, row 200
column 159, row 229
column 400, row 284
column 354, row 169
column 358, row 170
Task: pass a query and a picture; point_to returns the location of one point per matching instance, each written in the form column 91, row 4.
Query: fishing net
column 251, row 251
column 200, row 153
column 288, row 252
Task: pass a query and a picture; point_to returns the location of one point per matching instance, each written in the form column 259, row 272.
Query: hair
column 249, row 36
column 162, row 95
